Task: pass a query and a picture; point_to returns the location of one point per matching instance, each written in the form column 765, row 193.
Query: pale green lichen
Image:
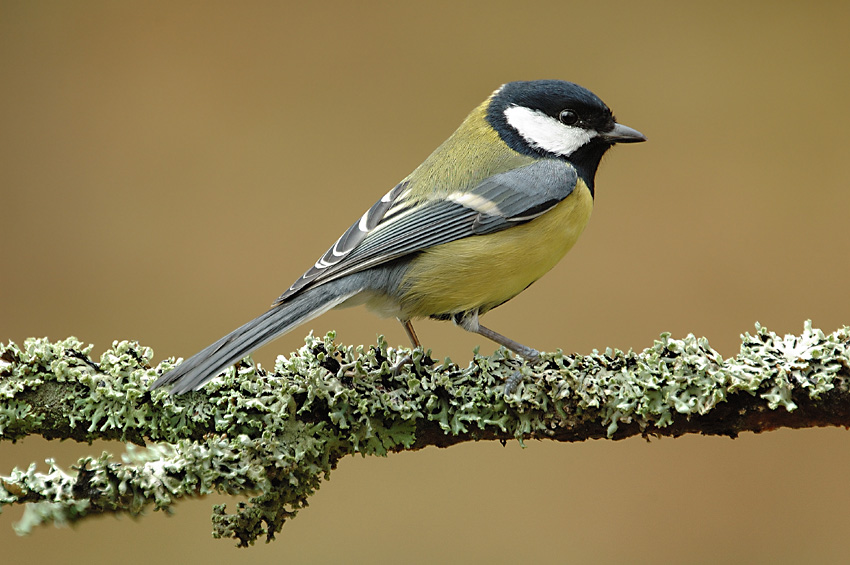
column 57, row 504
column 278, row 436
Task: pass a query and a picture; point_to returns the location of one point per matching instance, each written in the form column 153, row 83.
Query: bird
column 490, row 211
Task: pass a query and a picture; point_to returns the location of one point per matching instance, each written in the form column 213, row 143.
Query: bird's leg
column 411, row 334
column 469, row 322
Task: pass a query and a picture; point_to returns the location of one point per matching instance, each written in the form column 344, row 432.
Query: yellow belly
column 485, row 271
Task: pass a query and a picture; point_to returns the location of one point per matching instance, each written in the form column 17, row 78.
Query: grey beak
column 623, row 134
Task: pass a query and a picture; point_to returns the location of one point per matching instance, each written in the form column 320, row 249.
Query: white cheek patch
column 545, row 132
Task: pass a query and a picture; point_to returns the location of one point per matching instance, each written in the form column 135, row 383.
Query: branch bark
column 277, row 435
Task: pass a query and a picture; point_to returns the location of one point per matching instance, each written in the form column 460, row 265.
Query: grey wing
column 382, row 210
column 397, row 226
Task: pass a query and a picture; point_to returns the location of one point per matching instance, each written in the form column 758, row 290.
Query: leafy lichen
column 278, row 435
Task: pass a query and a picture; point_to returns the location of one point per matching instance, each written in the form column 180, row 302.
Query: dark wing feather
column 380, row 211
column 397, row 226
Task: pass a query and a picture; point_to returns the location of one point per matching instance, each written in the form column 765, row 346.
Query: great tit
column 496, row 206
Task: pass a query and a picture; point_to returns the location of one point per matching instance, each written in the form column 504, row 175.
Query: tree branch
column 276, row 436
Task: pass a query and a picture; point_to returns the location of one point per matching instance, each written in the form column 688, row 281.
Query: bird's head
column 557, row 119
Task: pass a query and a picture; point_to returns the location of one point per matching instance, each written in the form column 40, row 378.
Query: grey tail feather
column 195, row 371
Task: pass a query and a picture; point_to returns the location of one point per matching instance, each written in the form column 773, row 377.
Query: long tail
column 195, row 371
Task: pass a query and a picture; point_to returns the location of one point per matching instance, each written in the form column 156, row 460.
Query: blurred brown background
column 168, row 169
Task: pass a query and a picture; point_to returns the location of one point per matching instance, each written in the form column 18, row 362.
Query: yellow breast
column 487, row 270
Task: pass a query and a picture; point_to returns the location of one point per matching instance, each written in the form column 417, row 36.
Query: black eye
column 568, row 117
